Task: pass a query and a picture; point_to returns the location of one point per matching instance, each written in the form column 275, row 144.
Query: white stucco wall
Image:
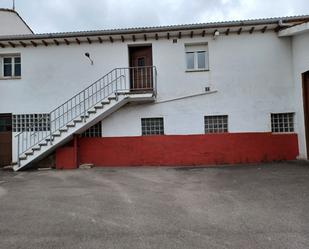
column 252, row 73
column 12, row 24
column 300, row 65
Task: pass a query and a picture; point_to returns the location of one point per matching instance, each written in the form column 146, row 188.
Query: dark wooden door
column 306, row 107
column 141, row 73
column 5, row 139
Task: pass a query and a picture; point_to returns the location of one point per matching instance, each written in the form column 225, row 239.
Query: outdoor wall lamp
column 216, row 34
column 88, row 56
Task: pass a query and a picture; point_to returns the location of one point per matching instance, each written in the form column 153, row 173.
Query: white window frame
column 195, row 48
column 12, row 56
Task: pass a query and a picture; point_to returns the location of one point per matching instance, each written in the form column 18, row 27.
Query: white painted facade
column 300, row 53
column 12, row 23
column 250, row 76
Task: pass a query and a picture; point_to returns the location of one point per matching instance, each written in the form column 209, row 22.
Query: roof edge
column 166, row 28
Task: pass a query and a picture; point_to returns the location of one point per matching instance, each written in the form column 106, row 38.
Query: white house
column 212, row 93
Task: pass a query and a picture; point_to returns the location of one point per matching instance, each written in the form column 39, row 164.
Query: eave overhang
column 147, row 33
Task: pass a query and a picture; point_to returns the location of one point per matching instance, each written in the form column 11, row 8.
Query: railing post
column 18, row 160
column 155, row 81
column 84, row 106
column 50, row 132
column 116, row 91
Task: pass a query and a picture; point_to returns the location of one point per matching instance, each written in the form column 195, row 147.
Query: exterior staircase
column 115, row 89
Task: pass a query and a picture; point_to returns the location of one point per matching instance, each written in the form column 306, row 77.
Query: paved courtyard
column 256, row 206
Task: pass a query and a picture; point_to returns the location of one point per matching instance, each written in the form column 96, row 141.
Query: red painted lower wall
column 169, row 150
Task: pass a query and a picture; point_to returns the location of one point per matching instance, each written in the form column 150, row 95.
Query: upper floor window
column 197, row 57
column 10, row 66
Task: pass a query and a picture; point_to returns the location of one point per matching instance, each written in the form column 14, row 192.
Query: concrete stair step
column 112, row 98
column 70, row 125
column 92, row 111
column 23, row 157
column 98, row 107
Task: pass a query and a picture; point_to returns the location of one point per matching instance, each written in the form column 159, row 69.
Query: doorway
column 5, row 139
column 305, row 77
column 141, row 71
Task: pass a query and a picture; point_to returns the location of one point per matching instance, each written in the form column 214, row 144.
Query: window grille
column 152, row 126
column 31, row 122
column 282, row 122
column 216, row 124
column 94, row 131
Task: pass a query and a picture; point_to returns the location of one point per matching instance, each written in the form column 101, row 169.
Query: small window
column 152, row 126
column 11, row 66
column 216, row 124
column 31, row 122
column 94, row 131
column 282, row 122
column 197, row 57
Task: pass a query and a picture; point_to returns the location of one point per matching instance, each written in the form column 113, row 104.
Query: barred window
column 216, row 124
column 31, row 122
column 152, row 126
column 282, row 122
column 94, row 131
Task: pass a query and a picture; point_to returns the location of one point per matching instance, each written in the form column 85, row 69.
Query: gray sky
column 71, row 15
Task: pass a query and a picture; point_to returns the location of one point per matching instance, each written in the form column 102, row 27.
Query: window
column 197, row 57
column 282, row 122
column 152, row 126
column 11, row 66
column 31, row 122
column 94, row 131
column 5, row 123
column 141, row 62
column 216, row 124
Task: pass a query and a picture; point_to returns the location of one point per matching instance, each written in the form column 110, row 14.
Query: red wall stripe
column 183, row 150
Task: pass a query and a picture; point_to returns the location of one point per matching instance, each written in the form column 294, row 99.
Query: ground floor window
column 94, row 131
column 31, row 122
column 152, row 126
column 282, row 122
column 216, row 124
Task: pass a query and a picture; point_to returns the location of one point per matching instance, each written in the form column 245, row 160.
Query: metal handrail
column 118, row 79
